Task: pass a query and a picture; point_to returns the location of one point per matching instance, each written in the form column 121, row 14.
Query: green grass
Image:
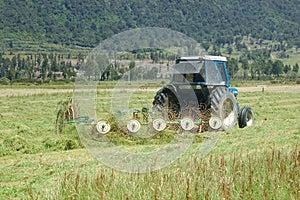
column 257, row 162
column 29, row 47
column 273, row 176
column 28, row 123
column 294, row 57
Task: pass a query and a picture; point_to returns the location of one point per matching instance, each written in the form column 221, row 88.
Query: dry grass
column 258, row 162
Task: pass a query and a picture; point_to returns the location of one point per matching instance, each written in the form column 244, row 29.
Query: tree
column 154, row 57
column 229, row 50
column 245, row 65
column 11, row 44
column 232, row 65
column 5, row 67
column 258, row 67
column 130, row 73
column 80, row 58
column 277, row 68
column 267, row 67
column 44, row 68
column 20, row 63
column 54, row 65
column 286, row 68
column 291, row 76
column 14, row 62
column 113, row 73
column 39, row 60
column 296, row 68
column 65, row 70
column 11, row 73
column 206, row 45
column 29, row 69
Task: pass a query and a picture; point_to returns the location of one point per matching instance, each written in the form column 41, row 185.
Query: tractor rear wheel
column 223, row 105
column 166, row 100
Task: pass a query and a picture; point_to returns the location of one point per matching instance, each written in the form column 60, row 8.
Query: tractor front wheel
column 246, row 117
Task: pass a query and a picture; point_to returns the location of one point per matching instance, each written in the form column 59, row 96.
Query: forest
column 256, row 36
column 88, row 22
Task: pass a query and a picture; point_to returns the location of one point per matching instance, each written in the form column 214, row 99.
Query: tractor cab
column 206, row 70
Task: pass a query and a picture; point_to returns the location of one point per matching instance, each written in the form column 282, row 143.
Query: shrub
column 4, row 81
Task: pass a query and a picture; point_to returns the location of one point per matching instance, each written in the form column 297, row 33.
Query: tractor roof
column 193, row 64
column 200, row 58
column 217, row 58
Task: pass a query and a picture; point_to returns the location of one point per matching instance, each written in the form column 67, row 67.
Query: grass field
column 260, row 162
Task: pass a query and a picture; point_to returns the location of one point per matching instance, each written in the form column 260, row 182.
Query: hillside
column 87, row 22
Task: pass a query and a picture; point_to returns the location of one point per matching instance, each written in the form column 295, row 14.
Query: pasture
column 259, row 162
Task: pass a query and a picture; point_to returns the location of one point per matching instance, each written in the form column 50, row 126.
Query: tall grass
column 271, row 174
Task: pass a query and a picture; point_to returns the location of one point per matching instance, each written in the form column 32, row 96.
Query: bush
column 276, row 81
column 4, row 81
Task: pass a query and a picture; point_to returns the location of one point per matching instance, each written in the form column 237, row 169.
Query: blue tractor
column 199, row 98
column 200, row 93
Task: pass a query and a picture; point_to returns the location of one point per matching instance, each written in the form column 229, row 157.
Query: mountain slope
column 87, row 22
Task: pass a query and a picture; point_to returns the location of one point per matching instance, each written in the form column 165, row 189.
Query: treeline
column 241, row 69
column 138, row 64
column 251, row 65
column 38, row 67
column 88, row 22
column 45, row 67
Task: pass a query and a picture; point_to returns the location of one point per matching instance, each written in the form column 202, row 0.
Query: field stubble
column 260, row 162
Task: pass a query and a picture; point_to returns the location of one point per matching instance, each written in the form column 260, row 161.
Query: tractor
column 200, row 92
column 198, row 98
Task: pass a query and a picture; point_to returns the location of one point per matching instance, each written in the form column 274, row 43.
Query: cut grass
column 257, row 162
column 28, row 125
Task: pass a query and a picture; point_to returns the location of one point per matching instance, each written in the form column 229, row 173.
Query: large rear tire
column 166, row 100
column 223, row 105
